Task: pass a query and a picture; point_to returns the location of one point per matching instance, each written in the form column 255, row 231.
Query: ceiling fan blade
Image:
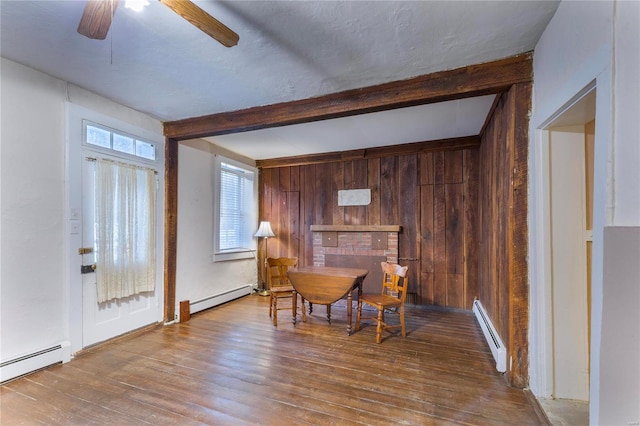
column 201, row 19
column 96, row 18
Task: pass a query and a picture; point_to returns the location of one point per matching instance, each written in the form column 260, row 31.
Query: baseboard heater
column 35, row 361
column 491, row 334
column 218, row 299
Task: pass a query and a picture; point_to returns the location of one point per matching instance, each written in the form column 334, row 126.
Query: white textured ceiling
column 157, row 63
column 416, row 124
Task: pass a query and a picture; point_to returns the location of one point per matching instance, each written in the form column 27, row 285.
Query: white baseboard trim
column 35, row 361
column 218, row 299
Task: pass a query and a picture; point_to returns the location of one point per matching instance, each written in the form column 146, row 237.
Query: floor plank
column 229, row 365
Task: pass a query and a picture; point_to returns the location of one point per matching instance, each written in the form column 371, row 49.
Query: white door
column 102, row 321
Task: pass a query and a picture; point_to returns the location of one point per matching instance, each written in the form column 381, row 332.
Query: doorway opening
column 568, row 161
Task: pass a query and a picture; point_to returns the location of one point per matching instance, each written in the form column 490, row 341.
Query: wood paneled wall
column 502, row 226
column 432, row 195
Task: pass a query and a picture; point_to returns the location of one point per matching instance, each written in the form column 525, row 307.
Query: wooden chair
column 279, row 285
column 395, row 284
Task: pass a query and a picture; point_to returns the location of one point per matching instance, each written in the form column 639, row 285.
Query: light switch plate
column 75, row 214
column 75, row 227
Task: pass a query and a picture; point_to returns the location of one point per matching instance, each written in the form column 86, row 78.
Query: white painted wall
column 619, row 358
column 626, row 120
column 35, row 312
column 620, row 351
column 583, row 43
column 32, row 293
column 197, row 276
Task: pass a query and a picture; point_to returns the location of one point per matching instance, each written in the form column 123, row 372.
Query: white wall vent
column 34, row 361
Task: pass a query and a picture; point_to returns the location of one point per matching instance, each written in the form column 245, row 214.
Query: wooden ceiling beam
column 474, row 80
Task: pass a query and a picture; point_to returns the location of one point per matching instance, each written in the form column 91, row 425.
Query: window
column 236, row 204
column 110, row 139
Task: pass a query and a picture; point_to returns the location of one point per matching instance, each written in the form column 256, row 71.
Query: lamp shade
column 264, row 230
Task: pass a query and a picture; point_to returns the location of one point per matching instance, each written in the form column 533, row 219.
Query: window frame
column 113, row 132
column 251, row 213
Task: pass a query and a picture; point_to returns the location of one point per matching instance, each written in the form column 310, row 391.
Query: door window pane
column 146, row 150
column 123, row 144
column 99, row 137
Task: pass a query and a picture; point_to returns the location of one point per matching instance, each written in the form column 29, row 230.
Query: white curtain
column 125, row 230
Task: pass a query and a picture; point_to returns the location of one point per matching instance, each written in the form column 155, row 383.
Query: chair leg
column 379, row 326
column 275, row 311
column 404, row 331
column 304, row 313
column 270, row 304
column 358, row 314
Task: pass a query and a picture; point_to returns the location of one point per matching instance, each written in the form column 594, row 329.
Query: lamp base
column 264, row 292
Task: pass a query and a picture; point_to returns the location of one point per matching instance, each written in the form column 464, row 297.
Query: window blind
column 233, row 184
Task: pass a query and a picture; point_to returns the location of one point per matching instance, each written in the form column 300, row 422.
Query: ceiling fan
column 97, row 15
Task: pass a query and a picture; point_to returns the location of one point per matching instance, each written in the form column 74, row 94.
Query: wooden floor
column 229, row 365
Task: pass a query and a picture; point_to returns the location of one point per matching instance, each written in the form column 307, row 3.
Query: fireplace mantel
column 356, row 228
